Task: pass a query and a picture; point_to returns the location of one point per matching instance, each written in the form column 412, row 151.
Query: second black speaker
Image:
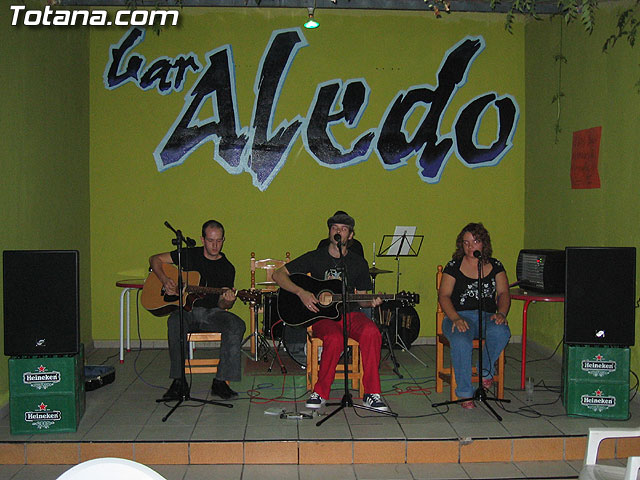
column 600, row 291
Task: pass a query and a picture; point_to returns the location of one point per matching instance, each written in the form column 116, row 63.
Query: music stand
column 185, row 395
column 403, row 243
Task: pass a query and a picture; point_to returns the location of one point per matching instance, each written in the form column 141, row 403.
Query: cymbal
column 266, row 283
column 377, row 271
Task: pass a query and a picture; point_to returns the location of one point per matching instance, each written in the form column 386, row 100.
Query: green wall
column 599, row 91
column 44, row 121
column 130, row 199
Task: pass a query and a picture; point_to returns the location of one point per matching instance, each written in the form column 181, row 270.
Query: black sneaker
column 222, row 390
column 176, row 390
column 315, row 401
column 374, row 400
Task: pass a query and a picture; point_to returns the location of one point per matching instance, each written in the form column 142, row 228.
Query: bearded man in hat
column 323, row 264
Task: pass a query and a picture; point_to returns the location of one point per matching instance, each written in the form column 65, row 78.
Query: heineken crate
column 51, row 373
column 601, row 363
column 46, row 412
column 609, row 400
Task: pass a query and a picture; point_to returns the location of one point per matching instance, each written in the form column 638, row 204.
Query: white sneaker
column 315, row 401
column 374, row 400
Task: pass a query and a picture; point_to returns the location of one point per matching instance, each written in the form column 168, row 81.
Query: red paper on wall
column 584, row 158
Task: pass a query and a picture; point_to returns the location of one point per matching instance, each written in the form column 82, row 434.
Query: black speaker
column 41, row 304
column 600, row 289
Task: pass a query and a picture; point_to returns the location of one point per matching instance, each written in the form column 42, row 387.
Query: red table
column 127, row 286
column 528, row 296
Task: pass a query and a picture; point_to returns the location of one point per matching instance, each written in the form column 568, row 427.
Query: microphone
column 338, row 239
column 190, row 242
column 477, row 254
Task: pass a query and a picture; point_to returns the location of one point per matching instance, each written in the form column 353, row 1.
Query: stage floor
column 123, row 419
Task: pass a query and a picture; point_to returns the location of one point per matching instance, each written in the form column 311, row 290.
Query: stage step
column 317, row 452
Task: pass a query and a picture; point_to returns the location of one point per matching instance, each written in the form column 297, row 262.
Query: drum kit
column 293, row 339
column 398, row 322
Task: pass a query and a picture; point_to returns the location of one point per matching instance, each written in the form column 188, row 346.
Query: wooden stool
column 201, row 365
column 313, row 363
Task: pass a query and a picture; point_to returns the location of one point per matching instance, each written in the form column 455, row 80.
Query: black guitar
column 294, row 313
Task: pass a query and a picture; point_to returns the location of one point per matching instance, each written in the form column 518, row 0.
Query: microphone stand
column 347, row 399
column 185, row 395
column 480, row 395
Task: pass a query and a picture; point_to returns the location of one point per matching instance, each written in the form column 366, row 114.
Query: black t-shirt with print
column 323, row 266
column 465, row 290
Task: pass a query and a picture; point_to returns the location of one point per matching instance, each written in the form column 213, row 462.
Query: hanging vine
column 559, row 58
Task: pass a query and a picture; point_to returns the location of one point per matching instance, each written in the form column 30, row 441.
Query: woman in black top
column 459, row 299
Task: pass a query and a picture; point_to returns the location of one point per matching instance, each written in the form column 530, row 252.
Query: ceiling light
column 311, row 23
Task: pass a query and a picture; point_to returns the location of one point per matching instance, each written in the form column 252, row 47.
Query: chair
column 591, row 470
column 110, row 469
column 201, row 365
column 313, row 363
column 446, row 374
column 268, row 286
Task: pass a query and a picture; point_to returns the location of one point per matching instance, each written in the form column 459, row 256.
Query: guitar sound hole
column 325, row 298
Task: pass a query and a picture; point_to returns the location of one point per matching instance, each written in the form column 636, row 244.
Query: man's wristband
column 503, row 314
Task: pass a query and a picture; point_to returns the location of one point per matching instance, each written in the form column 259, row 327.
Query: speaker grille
column 41, row 304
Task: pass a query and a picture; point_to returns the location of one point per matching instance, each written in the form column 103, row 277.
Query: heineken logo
column 598, row 401
column 40, row 378
column 599, row 367
column 42, row 418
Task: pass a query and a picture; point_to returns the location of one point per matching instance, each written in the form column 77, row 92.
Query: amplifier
column 541, row 270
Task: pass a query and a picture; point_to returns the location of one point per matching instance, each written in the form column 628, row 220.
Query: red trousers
column 362, row 329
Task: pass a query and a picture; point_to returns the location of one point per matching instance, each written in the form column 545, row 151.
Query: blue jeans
column 496, row 338
column 201, row 319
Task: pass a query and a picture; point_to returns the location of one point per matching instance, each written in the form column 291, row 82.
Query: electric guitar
column 294, row 313
column 155, row 299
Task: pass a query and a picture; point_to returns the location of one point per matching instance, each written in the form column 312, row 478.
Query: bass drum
column 403, row 323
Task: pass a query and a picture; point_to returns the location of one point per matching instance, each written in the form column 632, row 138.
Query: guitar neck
column 200, row 290
column 361, row 297
column 244, row 295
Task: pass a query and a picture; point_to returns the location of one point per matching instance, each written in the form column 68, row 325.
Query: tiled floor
column 442, row 471
column 125, row 413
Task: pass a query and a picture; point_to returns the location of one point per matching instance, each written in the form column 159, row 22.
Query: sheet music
column 409, row 233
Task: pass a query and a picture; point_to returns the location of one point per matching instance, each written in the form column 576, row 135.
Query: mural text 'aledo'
column 262, row 149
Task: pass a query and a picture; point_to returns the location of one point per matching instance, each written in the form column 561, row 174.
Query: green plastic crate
column 46, row 412
column 602, row 363
column 46, row 393
column 51, row 373
column 597, row 399
column 595, row 381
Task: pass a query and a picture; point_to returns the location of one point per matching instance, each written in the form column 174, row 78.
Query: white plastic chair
column 110, row 469
column 592, row 471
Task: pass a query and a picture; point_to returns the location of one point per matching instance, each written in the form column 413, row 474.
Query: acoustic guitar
column 155, row 299
column 329, row 293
